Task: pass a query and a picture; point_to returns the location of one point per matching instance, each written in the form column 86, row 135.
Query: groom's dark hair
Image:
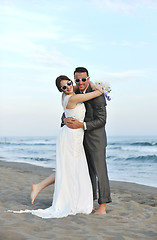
column 59, row 79
column 80, row 70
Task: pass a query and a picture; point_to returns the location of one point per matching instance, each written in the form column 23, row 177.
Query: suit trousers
column 98, row 170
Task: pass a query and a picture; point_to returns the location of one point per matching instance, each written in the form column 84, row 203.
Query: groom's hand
column 73, row 123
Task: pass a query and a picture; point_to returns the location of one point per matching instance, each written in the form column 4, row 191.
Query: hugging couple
column 80, row 151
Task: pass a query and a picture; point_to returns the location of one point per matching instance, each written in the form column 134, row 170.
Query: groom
column 94, row 139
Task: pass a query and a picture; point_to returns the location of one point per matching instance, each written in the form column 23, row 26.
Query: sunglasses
column 77, row 80
column 65, row 86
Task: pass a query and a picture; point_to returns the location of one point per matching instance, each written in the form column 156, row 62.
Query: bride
column 73, row 189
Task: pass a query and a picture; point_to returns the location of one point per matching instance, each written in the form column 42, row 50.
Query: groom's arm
column 62, row 120
column 71, row 122
column 99, row 112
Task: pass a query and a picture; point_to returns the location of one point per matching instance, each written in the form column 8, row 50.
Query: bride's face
column 67, row 86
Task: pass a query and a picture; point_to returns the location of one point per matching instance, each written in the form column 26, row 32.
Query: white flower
column 106, row 89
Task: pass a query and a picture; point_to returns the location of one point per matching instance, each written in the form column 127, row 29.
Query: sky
column 115, row 40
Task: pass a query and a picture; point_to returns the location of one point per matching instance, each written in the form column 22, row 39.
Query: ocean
column 129, row 159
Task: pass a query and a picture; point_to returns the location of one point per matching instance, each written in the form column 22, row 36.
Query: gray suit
column 95, row 146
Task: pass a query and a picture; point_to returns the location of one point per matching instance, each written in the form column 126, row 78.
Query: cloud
column 79, row 38
column 25, row 66
column 118, row 76
column 25, row 24
column 125, row 43
column 32, row 26
column 11, row 12
column 18, row 44
column 44, row 34
column 52, row 58
column 82, row 41
column 34, row 52
column 126, row 7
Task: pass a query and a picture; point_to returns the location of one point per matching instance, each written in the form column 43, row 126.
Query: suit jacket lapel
column 88, row 89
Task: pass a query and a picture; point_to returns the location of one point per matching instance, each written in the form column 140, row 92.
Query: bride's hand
column 99, row 88
column 92, row 85
column 96, row 87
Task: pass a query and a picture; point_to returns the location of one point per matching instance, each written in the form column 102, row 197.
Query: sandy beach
column 131, row 215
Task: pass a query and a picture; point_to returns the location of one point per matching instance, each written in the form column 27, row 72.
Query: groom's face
column 82, row 85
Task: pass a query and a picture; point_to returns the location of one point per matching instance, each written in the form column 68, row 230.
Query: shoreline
column 120, row 185
column 42, row 169
column 131, row 215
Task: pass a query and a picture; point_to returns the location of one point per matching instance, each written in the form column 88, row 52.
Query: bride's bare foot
column 101, row 209
column 34, row 193
column 36, row 188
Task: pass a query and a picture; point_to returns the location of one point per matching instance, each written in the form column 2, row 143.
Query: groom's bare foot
column 34, row 193
column 101, row 209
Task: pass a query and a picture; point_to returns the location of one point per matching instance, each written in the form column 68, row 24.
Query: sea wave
column 144, row 144
column 110, row 147
column 132, row 144
column 27, row 144
column 147, row 158
column 37, row 159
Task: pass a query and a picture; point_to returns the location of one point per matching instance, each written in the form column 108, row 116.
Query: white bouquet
column 106, row 89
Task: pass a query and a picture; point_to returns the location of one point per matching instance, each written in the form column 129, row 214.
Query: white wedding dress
column 73, row 189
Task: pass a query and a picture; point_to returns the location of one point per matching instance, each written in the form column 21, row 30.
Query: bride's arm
column 92, row 85
column 84, row 97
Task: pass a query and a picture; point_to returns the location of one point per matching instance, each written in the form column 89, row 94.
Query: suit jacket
column 95, row 118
